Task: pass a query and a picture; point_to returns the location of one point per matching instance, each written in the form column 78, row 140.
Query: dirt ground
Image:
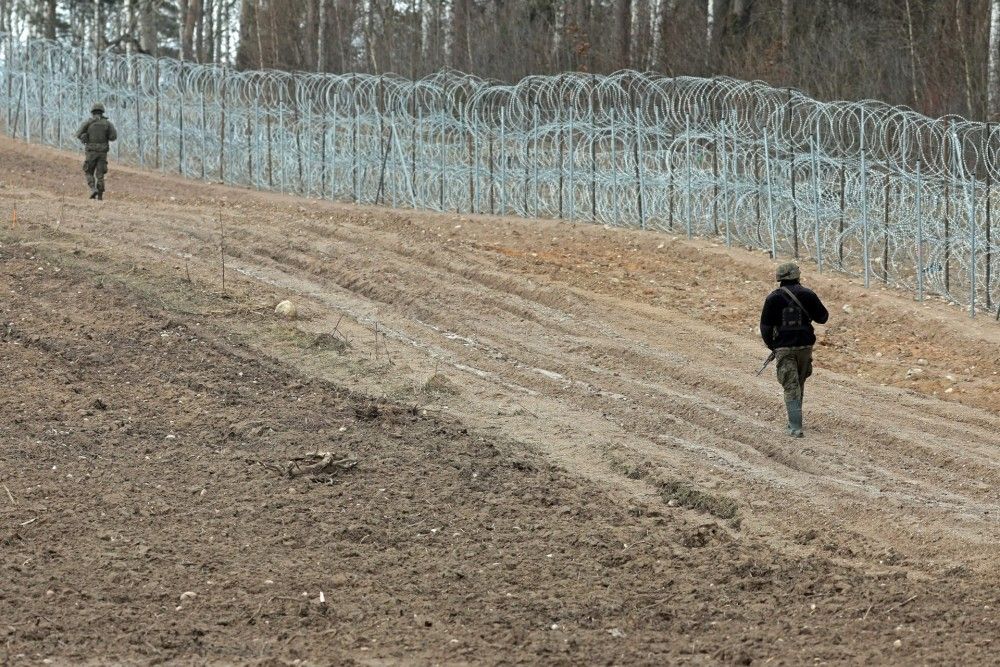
column 562, row 453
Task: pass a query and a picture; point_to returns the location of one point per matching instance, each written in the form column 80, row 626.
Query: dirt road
column 563, row 452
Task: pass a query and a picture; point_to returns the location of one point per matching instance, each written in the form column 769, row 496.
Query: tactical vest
column 98, row 135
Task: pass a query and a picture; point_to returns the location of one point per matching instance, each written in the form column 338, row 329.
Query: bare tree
column 709, row 32
column 786, row 28
column 50, row 19
column 189, row 15
column 321, row 38
column 98, row 27
column 993, row 82
column 625, row 32
column 960, row 31
column 911, row 42
column 148, row 28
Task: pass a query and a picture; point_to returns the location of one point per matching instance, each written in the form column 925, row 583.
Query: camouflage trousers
column 794, row 365
column 95, row 166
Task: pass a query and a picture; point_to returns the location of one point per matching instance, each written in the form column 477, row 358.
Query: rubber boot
column 93, row 194
column 100, row 195
column 794, row 409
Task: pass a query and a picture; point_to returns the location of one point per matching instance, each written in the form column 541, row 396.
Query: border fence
column 873, row 190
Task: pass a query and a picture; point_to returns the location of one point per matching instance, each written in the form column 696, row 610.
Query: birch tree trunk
column 709, row 33
column 558, row 31
column 656, row 20
column 321, row 38
column 182, row 8
column 993, row 78
column 965, row 58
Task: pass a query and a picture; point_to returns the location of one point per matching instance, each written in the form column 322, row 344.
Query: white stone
column 287, row 310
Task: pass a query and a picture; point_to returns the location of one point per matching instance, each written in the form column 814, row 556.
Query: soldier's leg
column 805, row 369
column 88, row 170
column 100, row 169
column 786, row 362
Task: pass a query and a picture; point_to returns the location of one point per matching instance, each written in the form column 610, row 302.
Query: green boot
column 794, row 409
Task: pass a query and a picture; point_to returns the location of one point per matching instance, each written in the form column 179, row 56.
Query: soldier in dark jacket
column 786, row 327
column 96, row 133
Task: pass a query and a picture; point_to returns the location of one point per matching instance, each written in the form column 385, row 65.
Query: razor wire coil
column 864, row 187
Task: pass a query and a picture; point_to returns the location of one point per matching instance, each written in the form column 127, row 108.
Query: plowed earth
column 563, row 454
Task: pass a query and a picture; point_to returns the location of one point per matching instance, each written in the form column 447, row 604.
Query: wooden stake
column 222, row 251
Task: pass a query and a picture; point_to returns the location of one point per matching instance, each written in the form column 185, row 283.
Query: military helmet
column 787, row 271
column 97, row 107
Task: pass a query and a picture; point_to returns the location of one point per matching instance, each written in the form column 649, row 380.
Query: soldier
column 96, row 133
column 786, row 327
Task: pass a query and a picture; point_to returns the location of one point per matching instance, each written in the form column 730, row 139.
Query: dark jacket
column 95, row 133
column 782, row 322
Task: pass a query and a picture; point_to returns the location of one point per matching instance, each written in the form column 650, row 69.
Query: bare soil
column 562, row 453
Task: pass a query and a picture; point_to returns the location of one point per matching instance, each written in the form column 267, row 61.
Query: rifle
column 767, row 361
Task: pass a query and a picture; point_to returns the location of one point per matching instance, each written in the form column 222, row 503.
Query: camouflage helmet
column 97, row 107
column 787, row 271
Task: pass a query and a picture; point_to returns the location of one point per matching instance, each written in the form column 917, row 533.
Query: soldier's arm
column 817, row 310
column 112, row 132
column 81, row 134
column 768, row 320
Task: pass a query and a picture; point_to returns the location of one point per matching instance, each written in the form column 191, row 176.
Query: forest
column 932, row 55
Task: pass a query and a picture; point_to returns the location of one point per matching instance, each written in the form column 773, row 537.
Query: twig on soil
column 187, row 269
column 337, row 331
column 256, row 614
column 385, row 346
column 902, row 604
column 527, row 410
column 867, row 611
column 29, row 522
column 10, row 495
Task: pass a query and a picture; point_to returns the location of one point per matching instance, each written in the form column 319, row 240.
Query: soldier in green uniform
column 786, row 327
column 96, row 133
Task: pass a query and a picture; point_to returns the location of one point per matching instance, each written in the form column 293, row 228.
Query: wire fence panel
column 873, row 190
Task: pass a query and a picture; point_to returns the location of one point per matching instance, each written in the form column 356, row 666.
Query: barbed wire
column 870, row 189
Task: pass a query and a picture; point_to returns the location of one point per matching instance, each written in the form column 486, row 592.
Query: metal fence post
column 638, row 169
column 920, row 235
column 770, row 199
column 503, row 162
column 815, row 183
column 689, row 189
column 614, row 167
column 864, row 204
